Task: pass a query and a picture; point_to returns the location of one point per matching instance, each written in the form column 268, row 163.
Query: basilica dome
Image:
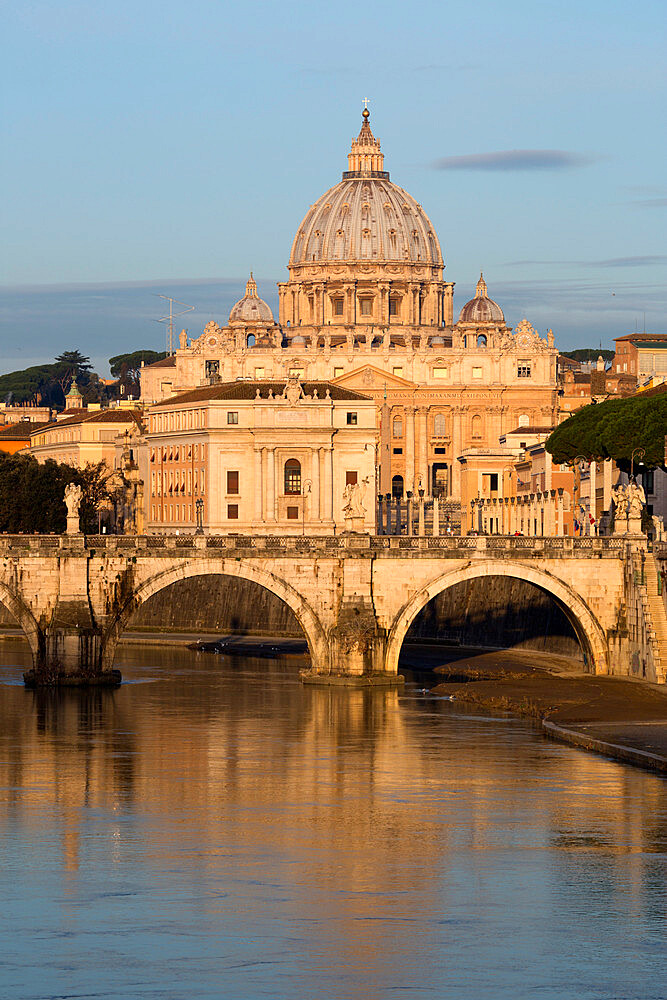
column 366, row 218
column 251, row 309
column 481, row 309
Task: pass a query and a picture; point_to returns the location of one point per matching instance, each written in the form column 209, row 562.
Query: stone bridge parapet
column 355, row 596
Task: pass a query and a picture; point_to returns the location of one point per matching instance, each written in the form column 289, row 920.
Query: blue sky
column 171, row 147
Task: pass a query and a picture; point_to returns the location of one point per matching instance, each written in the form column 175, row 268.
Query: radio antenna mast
column 169, row 320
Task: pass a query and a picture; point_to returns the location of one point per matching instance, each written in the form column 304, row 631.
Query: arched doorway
column 397, row 487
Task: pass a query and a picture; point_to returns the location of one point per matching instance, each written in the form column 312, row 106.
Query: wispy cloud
column 647, row 260
column 651, row 203
column 516, row 159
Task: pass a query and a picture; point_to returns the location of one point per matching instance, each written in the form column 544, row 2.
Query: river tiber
column 345, row 672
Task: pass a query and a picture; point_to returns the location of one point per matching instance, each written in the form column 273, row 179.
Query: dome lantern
column 365, row 158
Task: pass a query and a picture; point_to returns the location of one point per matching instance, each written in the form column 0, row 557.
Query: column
column 271, row 484
column 259, row 488
column 315, row 484
column 592, row 473
column 436, row 517
column 422, row 466
column 422, row 527
column 559, row 513
column 549, row 512
column 409, row 448
column 328, row 484
column 455, row 477
column 606, row 484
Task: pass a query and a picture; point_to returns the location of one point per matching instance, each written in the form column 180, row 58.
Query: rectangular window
column 232, row 416
column 398, row 371
column 366, row 307
column 338, row 307
column 233, row 511
column 440, row 372
column 393, row 307
column 338, row 372
column 440, row 451
column 292, row 513
column 477, row 373
column 259, row 373
column 202, row 480
column 350, row 478
column 523, row 369
column 398, row 451
column 232, row 482
column 296, row 372
column 351, row 419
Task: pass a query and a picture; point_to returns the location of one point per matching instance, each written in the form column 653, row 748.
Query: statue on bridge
column 353, row 505
column 628, row 506
column 73, row 496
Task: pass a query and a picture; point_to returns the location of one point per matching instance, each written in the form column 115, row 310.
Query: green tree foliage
column 588, row 354
column 613, row 429
column 48, row 383
column 32, row 494
column 75, row 365
column 132, row 363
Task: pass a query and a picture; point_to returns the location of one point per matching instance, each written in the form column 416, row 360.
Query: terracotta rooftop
column 248, row 390
column 532, row 430
column 655, row 337
column 169, row 362
column 20, row 431
column 97, row 416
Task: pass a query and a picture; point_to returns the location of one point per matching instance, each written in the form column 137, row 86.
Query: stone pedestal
column 73, row 526
column 634, row 525
column 354, row 525
column 621, row 526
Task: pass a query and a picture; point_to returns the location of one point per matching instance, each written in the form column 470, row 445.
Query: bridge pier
column 357, row 644
column 70, row 647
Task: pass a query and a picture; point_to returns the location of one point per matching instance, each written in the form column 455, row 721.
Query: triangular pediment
column 370, row 377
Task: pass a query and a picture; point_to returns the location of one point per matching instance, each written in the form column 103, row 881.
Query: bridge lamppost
column 639, row 452
column 199, row 508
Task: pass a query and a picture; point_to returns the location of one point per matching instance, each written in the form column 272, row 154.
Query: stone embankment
column 618, row 717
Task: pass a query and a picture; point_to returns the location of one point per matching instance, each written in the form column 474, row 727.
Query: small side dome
column 251, row 309
column 481, row 309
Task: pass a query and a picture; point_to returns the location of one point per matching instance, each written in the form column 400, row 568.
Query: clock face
column 523, row 340
column 212, row 341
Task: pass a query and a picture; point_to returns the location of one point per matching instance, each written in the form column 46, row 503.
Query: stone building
column 367, row 308
column 261, row 457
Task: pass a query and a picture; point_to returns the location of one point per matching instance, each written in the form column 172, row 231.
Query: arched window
column 250, row 342
column 481, row 340
column 476, row 427
column 440, row 425
column 524, row 420
column 292, row 477
column 397, row 427
column 397, row 487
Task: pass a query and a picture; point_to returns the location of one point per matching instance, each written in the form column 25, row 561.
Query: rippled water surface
column 213, row 829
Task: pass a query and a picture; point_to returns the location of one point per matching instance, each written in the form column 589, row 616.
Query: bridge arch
column 16, row 607
column 244, row 569
column 586, row 626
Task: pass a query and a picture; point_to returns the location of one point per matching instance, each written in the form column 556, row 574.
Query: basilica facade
column 367, row 309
